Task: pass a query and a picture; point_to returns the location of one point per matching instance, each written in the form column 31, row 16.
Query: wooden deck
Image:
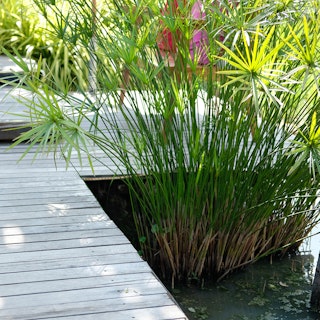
column 61, row 257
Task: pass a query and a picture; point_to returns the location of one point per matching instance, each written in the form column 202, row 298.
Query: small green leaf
column 313, row 124
column 155, row 228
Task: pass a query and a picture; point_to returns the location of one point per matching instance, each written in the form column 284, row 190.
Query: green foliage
column 23, row 32
column 18, row 26
column 219, row 164
column 309, row 149
column 257, row 68
column 303, row 46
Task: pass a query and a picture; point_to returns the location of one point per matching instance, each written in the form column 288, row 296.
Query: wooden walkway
column 61, row 257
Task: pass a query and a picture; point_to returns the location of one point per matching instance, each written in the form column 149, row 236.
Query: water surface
column 277, row 290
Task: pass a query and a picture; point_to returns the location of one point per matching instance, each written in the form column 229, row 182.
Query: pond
column 277, row 290
column 267, row 290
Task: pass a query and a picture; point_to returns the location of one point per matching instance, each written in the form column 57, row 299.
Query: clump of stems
column 211, row 155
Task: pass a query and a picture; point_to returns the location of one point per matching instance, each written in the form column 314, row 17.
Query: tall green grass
column 224, row 169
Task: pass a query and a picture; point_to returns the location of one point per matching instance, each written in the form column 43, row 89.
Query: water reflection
column 264, row 291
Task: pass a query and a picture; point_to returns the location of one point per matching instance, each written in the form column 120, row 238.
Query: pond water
column 280, row 290
column 277, row 290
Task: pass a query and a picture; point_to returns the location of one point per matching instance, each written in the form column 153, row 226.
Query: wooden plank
column 107, row 169
column 96, row 213
column 77, row 272
column 87, row 307
column 48, row 211
column 45, row 199
column 152, row 313
column 71, row 195
column 89, row 293
column 33, row 169
column 14, row 236
column 27, row 173
column 62, row 223
column 53, row 176
column 16, row 152
column 54, row 218
column 10, row 189
column 69, row 262
column 114, row 288
column 61, row 244
column 52, row 208
column 100, row 281
column 41, row 256
column 68, row 227
column 18, row 157
column 61, row 255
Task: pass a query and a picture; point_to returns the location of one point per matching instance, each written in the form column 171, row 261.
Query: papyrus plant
column 210, row 194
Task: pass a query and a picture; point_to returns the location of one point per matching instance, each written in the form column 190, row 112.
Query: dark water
column 279, row 290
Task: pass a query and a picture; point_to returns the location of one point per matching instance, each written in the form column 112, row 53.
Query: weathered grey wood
column 36, row 175
column 45, row 199
column 62, row 244
column 53, row 208
column 57, row 217
column 86, row 307
column 14, row 236
column 73, row 273
column 89, row 293
column 71, row 195
column 127, row 306
column 27, row 188
column 124, row 280
column 61, row 257
column 94, row 225
column 36, row 212
column 84, row 251
column 69, row 262
column 155, row 313
column 25, row 177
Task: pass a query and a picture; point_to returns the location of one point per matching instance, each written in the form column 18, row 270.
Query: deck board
column 61, row 256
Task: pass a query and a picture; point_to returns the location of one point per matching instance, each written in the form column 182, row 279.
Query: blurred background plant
column 223, row 166
column 26, row 32
column 19, row 26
